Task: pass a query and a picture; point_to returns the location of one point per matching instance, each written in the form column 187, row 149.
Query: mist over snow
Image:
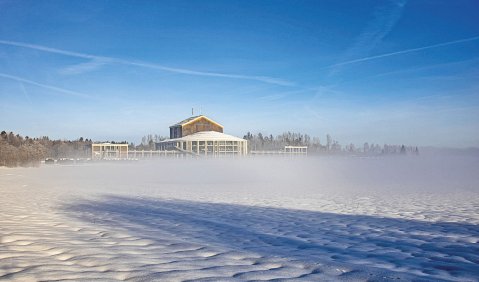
column 384, row 94
column 259, row 218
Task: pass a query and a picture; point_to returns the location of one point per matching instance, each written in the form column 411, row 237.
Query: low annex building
column 101, row 151
column 200, row 135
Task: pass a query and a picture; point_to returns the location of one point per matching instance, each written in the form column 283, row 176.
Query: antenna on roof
column 192, row 112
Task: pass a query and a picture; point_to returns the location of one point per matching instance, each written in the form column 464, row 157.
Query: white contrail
column 83, row 67
column 385, row 19
column 404, row 51
column 25, row 93
column 265, row 79
column 49, row 50
column 58, row 89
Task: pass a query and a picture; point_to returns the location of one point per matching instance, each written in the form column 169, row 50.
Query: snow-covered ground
column 311, row 219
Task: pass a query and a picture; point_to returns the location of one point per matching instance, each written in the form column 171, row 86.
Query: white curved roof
column 207, row 136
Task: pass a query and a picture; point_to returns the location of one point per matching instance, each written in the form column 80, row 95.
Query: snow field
column 257, row 219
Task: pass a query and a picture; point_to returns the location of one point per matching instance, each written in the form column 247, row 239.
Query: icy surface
column 311, row 219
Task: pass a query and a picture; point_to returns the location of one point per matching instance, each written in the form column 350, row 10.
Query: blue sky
column 400, row 72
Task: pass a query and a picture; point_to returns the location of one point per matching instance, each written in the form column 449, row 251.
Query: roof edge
column 202, row 116
column 196, row 118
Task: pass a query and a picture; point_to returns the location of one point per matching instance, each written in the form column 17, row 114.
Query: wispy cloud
column 265, row 79
column 316, row 115
column 281, row 95
column 448, row 65
column 50, row 50
column 270, row 98
column 364, row 59
column 385, row 18
column 50, row 87
column 25, row 93
column 84, row 67
column 96, row 60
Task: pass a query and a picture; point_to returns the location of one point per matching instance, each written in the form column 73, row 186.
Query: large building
column 202, row 136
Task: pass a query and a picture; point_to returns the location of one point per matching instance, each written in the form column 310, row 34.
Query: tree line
column 16, row 150
column 263, row 142
column 148, row 142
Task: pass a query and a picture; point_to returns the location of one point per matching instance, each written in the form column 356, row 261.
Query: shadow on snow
column 423, row 248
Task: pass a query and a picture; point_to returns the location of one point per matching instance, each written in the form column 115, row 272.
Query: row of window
column 109, row 148
column 221, row 143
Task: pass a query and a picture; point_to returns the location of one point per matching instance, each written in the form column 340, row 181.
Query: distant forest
column 263, row 142
column 16, row 150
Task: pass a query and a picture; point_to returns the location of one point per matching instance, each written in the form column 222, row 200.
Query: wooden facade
column 193, row 125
